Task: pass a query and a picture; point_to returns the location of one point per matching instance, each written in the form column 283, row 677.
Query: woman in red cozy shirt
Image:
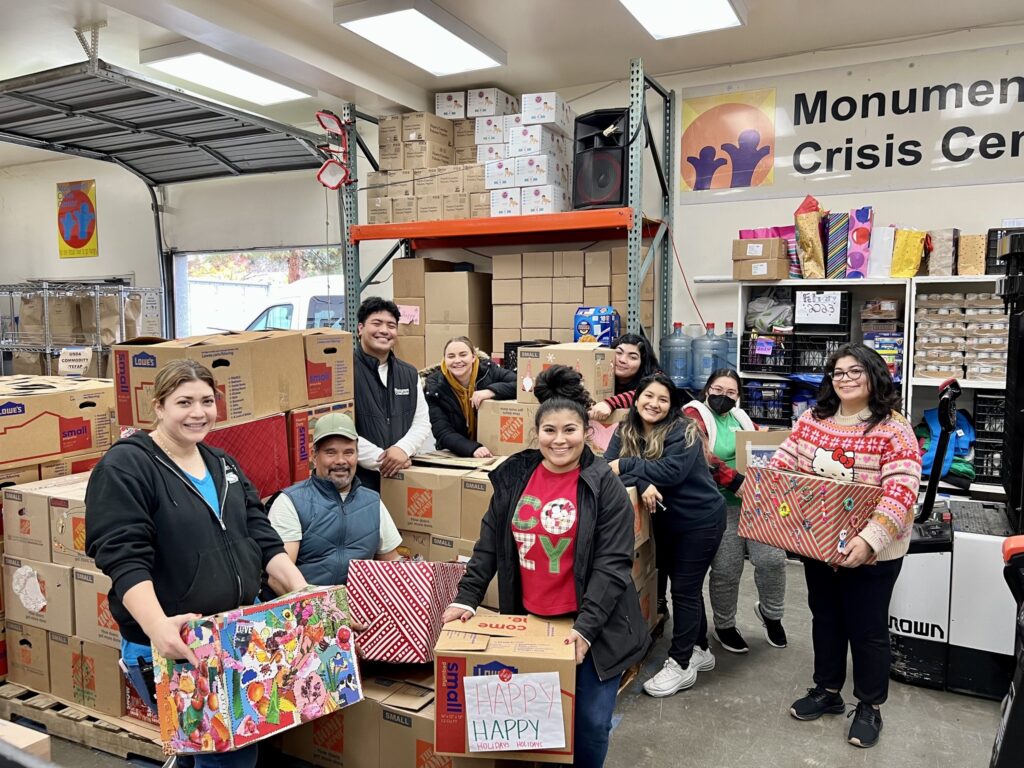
column 559, row 535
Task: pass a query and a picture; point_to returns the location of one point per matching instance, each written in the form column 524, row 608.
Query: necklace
column 164, row 446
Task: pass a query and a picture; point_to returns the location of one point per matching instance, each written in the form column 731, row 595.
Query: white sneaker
column 671, row 679
column 702, row 660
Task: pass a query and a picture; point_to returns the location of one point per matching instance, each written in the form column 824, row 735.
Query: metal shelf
column 959, row 279
column 925, row 381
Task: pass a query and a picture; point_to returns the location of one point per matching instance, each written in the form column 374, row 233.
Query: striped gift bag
column 836, row 239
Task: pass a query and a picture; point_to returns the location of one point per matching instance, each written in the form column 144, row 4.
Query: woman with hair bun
column 559, row 535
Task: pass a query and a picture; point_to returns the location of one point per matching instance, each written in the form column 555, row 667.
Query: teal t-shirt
column 208, row 489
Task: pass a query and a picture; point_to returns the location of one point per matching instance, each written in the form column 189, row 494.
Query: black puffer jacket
column 609, row 613
column 446, row 420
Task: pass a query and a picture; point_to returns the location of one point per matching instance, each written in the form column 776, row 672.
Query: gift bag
column 858, row 252
column 971, row 255
column 838, row 228
column 807, row 220
column 907, row 252
column 882, row 241
column 942, row 259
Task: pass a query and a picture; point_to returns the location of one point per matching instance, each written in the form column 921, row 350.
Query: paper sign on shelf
column 509, row 711
column 822, row 307
column 74, row 361
column 764, row 346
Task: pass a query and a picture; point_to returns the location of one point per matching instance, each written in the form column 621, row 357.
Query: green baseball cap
column 334, row 425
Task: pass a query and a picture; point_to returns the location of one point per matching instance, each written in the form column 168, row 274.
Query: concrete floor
column 738, row 715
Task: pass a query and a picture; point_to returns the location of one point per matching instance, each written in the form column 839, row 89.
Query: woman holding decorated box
column 635, row 360
column 559, row 535
column 856, row 433
column 456, row 389
column 181, row 533
column 660, row 451
column 719, row 417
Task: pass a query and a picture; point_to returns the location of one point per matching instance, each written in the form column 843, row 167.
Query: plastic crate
column 988, row 461
column 813, row 351
column 844, row 316
column 989, row 415
column 768, row 403
column 767, row 352
column 511, row 358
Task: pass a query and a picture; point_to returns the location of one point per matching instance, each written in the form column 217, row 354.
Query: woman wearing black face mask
column 719, row 417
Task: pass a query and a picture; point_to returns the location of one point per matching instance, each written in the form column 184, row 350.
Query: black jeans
column 850, row 607
column 691, row 556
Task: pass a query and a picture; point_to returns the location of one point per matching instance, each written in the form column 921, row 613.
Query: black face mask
column 721, row 404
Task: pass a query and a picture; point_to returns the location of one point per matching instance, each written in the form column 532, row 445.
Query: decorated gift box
column 808, row 515
column 400, row 603
column 262, row 669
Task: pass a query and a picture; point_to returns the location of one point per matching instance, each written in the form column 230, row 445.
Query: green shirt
column 725, row 448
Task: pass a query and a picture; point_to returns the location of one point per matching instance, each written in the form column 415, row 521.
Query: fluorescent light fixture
column 422, row 33
column 188, row 60
column 676, row 18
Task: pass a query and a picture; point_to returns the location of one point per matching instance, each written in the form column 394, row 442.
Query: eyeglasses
column 727, row 392
column 853, row 374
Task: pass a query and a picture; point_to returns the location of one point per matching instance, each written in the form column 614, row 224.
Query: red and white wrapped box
column 808, row 515
column 400, row 603
column 260, row 447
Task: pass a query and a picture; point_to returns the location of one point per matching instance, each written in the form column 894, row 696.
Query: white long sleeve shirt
column 419, row 438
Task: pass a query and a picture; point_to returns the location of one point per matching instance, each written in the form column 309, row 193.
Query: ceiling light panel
column 676, row 18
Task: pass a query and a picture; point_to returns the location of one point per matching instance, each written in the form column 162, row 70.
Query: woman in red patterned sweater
column 855, row 433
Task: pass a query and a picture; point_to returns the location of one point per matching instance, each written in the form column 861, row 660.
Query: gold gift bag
column 907, row 252
column 807, row 219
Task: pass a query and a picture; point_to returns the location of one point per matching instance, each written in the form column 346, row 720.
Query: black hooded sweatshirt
column 146, row 521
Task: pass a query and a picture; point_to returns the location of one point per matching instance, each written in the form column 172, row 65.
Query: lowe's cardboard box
column 28, row 656
column 491, row 651
column 27, row 516
column 50, row 417
column 86, row 673
column 329, row 374
column 256, row 373
column 594, row 362
column 300, row 424
column 93, row 620
column 506, row 427
column 40, row 594
column 73, row 466
column 426, row 499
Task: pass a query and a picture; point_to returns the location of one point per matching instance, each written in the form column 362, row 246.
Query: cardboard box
column 466, row 155
column 378, row 210
column 27, row 517
column 476, row 496
column 426, row 499
column 67, row 524
column 507, row 291
column 641, row 519
column 500, row 336
column 488, row 645
column 300, row 423
column 50, row 417
column 429, row 208
column 27, row 740
column 500, row 174
column 86, row 674
column 403, row 210
column 569, row 264
column 597, row 268
column 409, row 275
column 777, row 269
column 458, row 297
column 412, row 349
column 438, row 334
column 540, row 264
column 450, row 105
column 508, row 266
column 563, row 316
column 415, row 544
column 389, row 130
column 16, row 476
column 449, row 550
column 762, row 259
column 506, row 427
column 413, row 316
column 647, row 314
column 377, row 184
column 474, row 179
column 537, row 333
column 261, row 706
column 480, row 205
column 535, row 170
column 536, row 315
column 427, row 154
column 512, row 122
column 620, row 260
column 64, row 467
column 548, row 109
column 508, row 316
column 597, row 295
column 256, row 373
column 649, row 600
column 487, row 153
column 570, row 290
column 505, row 202
column 465, row 134
column 562, row 335
column 423, row 126
column 592, row 360
column 537, row 290
column 329, row 373
column 42, row 596
column 400, row 604
column 456, row 207
column 260, row 447
column 93, row 620
column 28, row 656
column 538, row 140
column 482, row 102
column 490, row 130
column 644, row 563
column 425, row 181
column 391, row 156
column 600, row 324
column 450, row 180
column 401, row 183
column 755, row 449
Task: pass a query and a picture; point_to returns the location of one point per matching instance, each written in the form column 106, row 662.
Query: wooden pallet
column 90, row 729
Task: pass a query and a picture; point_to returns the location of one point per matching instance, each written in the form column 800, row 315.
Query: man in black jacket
column 391, row 413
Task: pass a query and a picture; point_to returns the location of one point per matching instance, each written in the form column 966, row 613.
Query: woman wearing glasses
column 856, row 433
column 719, row 417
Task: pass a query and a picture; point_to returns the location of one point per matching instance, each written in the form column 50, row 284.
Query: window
column 278, row 316
column 326, row 312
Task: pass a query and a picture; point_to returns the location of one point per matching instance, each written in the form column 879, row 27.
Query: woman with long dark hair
column 559, row 535
column 635, row 360
column 660, row 451
column 856, row 433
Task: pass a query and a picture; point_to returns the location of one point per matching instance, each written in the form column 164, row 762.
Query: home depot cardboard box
column 644, row 563
column 27, row 517
column 260, row 446
column 426, row 499
column 67, row 524
column 412, row 349
column 93, row 620
column 50, row 417
column 438, row 335
column 15, row 476
column 73, row 466
column 28, row 656
column 300, row 423
column 86, row 673
column 56, row 610
column 593, row 361
column 256, row 373
column 409, row 275
column 25, row 739
column 458, row 297
column 506, row 427
column 476, row 497
column 488, row 645
column 329, row 374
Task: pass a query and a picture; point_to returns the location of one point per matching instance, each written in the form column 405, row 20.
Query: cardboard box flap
column 498, row 625
column 411, row 698
column 460, row 642
column 448, row 459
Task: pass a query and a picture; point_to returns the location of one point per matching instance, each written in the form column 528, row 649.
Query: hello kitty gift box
column 262, row 669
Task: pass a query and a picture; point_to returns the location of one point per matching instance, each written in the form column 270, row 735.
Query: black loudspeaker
column 601, row 161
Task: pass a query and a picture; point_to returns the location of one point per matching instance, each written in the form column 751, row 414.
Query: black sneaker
column 773, row 631
column 731, row 639
column 866, row 726
column 816, row 703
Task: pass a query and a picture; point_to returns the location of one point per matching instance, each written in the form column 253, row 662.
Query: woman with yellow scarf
column 455, row 391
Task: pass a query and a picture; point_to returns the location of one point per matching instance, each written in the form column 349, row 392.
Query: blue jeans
column 240, row 758
column 595, row 703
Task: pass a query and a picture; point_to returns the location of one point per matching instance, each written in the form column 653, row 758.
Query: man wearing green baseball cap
column 331, row 518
